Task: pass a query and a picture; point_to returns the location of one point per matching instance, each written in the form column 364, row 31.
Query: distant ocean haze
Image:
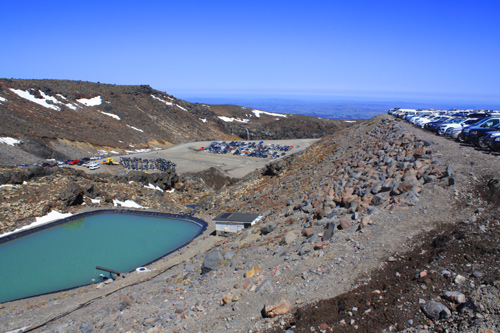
column 324, row 108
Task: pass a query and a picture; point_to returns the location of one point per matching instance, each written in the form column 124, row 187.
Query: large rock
column 436, row 311
column 268, row 228
column 212, row 261
column 253, row 271
column 329, row 231
column 275, row 310
column 290, row 237
column 72, row 196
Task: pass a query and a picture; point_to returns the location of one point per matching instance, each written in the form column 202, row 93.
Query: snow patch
column 161, row 100
column 259, row 112
column 90, row 101
column 40, row 101
column 8, row 185
column 94, row 201
column 349, row 121
column 146, row 150
column 180, row 107
column 135, row 128
column 3, row 99
column 127, row 203
column 230, row 120
column 153, row 187
column 9, row 141
column 71, row 106
column 50, row 217
column 204, row 120
column 171, row 191
column 109, row 115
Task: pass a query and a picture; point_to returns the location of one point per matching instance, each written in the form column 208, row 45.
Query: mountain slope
column 52, row 116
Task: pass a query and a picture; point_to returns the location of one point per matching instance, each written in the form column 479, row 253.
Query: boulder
column 290, row 237
column 329, row 230
column 436, row 311
column 344, row 224
column 281, row 308
column 253, row 271
column 454, row 296
column 268, row 228
column 72, row 196
column 212, row 261
column 376, row 200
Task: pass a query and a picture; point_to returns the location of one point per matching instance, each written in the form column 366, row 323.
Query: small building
column 234, row 222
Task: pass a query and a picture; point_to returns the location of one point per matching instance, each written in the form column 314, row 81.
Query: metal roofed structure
column 234, row 222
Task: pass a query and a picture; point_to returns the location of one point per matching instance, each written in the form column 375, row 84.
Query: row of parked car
column 244, row 148
column 479, row 129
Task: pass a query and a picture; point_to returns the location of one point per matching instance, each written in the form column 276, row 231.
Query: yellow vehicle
column 109, row 161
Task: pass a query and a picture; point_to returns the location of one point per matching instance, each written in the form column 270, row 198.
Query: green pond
column 66, row 256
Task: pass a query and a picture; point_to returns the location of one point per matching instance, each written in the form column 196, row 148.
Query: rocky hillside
column 60, row 119
column 382, row 227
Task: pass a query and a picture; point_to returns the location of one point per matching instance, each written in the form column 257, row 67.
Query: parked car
column 459, row 124
column 474, row 133
column 477, row 136
column 492, row 140
column 461, row 136
column 433, row 126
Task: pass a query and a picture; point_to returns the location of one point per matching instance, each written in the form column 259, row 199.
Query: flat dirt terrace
column 189, row 158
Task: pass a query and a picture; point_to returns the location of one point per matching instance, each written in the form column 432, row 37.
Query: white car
column 463, row 122
column 93, row 165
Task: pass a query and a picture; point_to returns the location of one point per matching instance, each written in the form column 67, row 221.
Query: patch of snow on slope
column 40, row 101
column 9, row 141
column 204, row 120
column 230, row 120
column 161, row 100
column 8, row 185
column 146, row 150
column 153, row 187
column 3, row 99
column 127, row 203
column 71, row 106
column 61, row 96
column 90, row 101
column 180, row 107
column 50, row 217
column 135, row 128
column 110, row 115
column 94, row 201
column 258, row 113
column 349, row 121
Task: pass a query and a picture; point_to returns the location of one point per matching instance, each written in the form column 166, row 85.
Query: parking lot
column 189, row 157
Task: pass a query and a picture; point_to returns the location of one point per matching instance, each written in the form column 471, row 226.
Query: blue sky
column 382, row 49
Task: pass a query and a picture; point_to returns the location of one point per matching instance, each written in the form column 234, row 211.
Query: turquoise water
column 65, row 256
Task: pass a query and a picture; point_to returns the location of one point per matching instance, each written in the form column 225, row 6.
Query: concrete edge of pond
column 83, row 214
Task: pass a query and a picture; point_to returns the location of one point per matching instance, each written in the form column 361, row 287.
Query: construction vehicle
column 109, row 161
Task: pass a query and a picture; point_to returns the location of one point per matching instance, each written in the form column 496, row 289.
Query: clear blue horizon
column 441, row 51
